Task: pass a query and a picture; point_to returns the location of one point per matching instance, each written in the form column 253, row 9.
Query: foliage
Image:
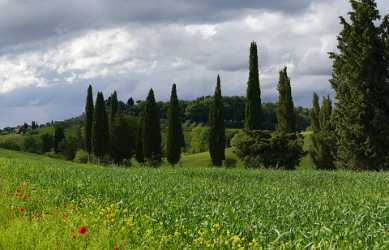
column 81, row 156
column 47, row 142
column 68, row 147
column 139, row 156
column 253, row 116
column 10, row 144
column 268, row 150
column 100, row 128
column 323, row 149
column 199, row 139
column 175, row 137
column 31, row 145
column 360, row 79
column 59, row 136
column 286, row 118
column 217, row 134
column 114, row 106
column 89, row 110
column 315, row 112
column 152, row 149
column 123, row 138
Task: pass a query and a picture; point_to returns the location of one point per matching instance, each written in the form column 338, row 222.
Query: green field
column 44, row 202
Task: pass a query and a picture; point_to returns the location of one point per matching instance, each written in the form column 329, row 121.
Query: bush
column 68, row 147
column 31, row 145
column 81, row 156
column 268, row 150
column 11, row 145
column 199, row 139
column 54, row 155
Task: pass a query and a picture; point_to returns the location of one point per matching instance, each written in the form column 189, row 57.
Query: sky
column 51, row 50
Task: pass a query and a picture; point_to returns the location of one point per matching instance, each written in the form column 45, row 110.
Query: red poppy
column 82, row 230
column 116, row 247
column 21, row 210
column 18, row 190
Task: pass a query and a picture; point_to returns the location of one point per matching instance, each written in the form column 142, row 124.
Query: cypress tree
column 175, row 135
column 89, row 121
column 217, row 137
column 114, row 106
column 360, row 80
column 139, row 143
column 285, row 108
column 152, row 131
column 253, row 112
column 315, row 123
column 100, row 128
column 323, row 142
column 59, row 136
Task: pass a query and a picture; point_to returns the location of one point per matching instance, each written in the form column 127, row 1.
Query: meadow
column 53, row 204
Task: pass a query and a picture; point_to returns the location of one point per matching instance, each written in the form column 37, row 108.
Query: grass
column 44, row 202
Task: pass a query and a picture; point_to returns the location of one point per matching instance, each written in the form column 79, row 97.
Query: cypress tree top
column 253, row 106
column 174, row 140
column 217, row 137
column 152, row 130
column 285, row 107
column 89, row 120
column 315, row 124
column 100, row 128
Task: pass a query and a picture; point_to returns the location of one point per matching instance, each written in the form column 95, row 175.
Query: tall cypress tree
column 114, row 106
column 285, row 108
column 139, row 143
column 315, row 122
column 175, row 135
column 253, row 112
column 59, row 136
column 360, row 80
column 100, row 128
column 217, row 137
column 89, row 121
column 152, row 131
column 323, row 145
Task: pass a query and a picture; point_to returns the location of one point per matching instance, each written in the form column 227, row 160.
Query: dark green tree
column 47, row 142
column 152, row 131
column 360, row 80
column 175, row 135
column 217, row 136
column 114, row 104
column 130, row 102
column 139, row 143
column 285, row 108
column 315, row 111
column 100, row 128
column 253, row 112
column 323, row 145
column 123, row 138
column 59, row 135
column 89, row 110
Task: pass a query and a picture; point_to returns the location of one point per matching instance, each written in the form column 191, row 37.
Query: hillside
column 47, row 204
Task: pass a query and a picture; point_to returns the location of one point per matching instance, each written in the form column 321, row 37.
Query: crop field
column 52, row 204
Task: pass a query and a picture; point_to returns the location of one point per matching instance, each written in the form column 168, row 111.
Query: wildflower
column 18, row 190
column 21, row 210
column 82, row 230
column 116, row 247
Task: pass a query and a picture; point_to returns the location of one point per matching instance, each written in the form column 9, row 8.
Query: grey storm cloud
column 50, row 50
column 28, row 20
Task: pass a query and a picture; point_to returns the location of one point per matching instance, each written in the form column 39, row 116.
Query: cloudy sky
column 50, row 50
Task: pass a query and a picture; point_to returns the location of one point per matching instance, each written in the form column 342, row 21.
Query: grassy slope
column 178, row 207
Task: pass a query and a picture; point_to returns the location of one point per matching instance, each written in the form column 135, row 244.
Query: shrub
column 11, row 145
column 68, row 147
column 199, row 139
column 268, row 150
column 31, row 145
column 81, row 156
